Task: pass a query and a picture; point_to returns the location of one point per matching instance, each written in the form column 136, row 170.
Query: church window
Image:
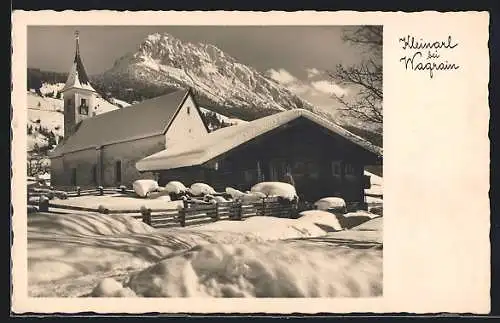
column 189, row 109
column 68, row 102
column 84, row 109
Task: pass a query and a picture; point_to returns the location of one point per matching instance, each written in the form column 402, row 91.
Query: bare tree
column 365, row 78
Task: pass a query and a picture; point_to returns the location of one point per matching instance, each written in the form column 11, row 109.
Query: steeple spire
column 78, row 77
column 77, row 41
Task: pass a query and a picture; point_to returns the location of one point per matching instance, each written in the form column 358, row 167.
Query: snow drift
column 90, row 224
column 261, row 270
column 144, row 186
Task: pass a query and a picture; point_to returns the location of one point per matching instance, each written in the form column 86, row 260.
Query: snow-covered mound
column 269, row 228
column 198, row 189
column 108, row 287
column 144, row 186
column 90, row 224
column 372, row 225
column 284, row 190
column 175, row 187
column 376, row 187
column 262, row 270
column 238, row 195
column 327, row 221
column 327, row 203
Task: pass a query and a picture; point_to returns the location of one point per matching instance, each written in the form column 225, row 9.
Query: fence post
column 263, row 206
column 182, row 213
column 146, row 215
column 78, row 191
column 240, row 211
column 43, row 204
column 216, row 215
column 182, row 217
column 101, row 190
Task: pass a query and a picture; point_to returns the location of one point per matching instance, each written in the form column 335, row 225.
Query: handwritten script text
column 425, row 56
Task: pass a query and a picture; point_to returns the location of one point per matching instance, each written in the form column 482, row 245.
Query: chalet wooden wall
column 302, row 148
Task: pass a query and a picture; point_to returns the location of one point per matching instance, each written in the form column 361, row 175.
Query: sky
column 296, row 56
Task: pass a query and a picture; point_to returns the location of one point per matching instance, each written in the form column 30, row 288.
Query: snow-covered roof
column 201, row 150
column 148, row 118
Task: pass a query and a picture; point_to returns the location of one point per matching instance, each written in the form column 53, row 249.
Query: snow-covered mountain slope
column 220, row 82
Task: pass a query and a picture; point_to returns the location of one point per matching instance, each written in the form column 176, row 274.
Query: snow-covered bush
column 284, row 190
column 175, row 187
column 325, row 220
column 235, row 194
column 144, row 186
column 331, row 204
column 248, row 196
column 198, row 189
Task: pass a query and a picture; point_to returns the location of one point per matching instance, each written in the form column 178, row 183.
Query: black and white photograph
column 205, row 161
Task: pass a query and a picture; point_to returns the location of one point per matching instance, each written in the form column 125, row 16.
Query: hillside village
column 167, row 197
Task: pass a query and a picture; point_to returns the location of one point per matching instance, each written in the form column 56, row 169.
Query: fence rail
column 192, row 212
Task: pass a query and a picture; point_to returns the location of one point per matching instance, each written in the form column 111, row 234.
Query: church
column 103, row 149
column 167, row 138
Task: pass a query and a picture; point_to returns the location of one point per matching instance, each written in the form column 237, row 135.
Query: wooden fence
column 192, row 212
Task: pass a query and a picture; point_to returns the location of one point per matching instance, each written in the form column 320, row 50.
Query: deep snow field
column 74, row 255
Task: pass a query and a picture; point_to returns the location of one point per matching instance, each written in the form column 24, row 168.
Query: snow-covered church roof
column 201, row 150
column 145, row 119
column 78, row 77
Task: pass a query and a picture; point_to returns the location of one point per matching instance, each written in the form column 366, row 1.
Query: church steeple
column 78, row 77
column 79, row 95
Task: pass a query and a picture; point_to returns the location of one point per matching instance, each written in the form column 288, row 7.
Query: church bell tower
column 79, row 95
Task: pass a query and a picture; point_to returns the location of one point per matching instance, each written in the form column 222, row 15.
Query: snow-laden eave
column 223, row 140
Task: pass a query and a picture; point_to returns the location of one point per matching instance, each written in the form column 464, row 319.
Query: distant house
column 323, row 158
column 103, row 149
